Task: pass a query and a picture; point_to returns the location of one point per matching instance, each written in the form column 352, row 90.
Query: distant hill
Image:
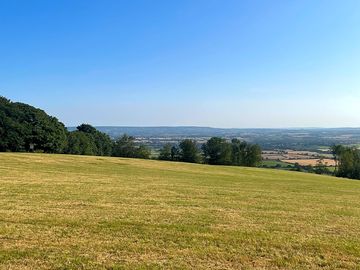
column 171, row 131
column 210, row 131
column 294, row 138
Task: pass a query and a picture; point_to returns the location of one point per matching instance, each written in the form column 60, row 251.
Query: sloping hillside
column 73, row 212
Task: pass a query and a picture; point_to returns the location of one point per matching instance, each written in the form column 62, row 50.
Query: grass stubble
column 80, row 212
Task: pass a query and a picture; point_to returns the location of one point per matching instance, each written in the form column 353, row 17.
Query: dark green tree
column 238, row 152
column 101, row 140
column 125, row 147
column 348, row 161
column 25, row 128
column 189, row 151
column 217, row 151
column 79, row 143
column 245, row 154
column 87, row 129
column 143, row 152
column 336, row 151
column 253, row 155
column 165, row 152
column 175, row 153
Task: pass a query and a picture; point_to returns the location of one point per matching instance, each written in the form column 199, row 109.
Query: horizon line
column 209, row 127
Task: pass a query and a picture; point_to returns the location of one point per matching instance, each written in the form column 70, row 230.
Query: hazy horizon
column 211, row 127
column 222, row 64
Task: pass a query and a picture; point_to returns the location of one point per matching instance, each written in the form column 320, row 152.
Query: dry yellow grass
column 73, row 212
column 312, row 162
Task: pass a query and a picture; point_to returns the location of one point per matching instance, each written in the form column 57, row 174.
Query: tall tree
column 143, row 152
column 165, row 152
column 253, row 155
column 348, row 161
column 217, row 151
column 102, row 141
column 125, row 147
column 238, row 152
column 189, row 151
column 175, row 153
column 336, row 151
column 245, row 154
column 25, row 128
column 79, row 143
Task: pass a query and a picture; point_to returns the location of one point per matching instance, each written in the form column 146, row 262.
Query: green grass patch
column 276, row 163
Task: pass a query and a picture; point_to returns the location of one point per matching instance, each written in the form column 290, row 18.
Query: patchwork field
column 311, row 162
column 73, row 212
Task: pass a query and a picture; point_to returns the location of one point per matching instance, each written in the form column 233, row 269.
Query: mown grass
column 72, row 212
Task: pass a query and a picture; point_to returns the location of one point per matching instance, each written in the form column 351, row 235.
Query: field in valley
column 311, row 162
column 80, row 212
column 284, row 158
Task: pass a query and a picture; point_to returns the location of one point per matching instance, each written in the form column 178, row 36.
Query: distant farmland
column 311, row 139
column 82, row 212
column 312, row 162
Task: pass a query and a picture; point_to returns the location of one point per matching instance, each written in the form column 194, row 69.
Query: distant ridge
column 179, row 130
column 209, row 131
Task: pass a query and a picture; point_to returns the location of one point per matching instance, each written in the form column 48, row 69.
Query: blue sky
column 217, row 63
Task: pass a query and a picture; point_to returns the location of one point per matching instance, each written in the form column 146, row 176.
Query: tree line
column 26, row 128
column 216, row 151
column 347, row 161
column 87, row 140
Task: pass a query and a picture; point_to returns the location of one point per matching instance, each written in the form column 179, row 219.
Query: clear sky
column 217, row 63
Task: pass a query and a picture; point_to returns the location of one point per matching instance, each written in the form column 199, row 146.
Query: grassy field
column 273, row 163
column 72, row 212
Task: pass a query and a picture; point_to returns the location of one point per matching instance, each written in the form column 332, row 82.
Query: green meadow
column 82, row 212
